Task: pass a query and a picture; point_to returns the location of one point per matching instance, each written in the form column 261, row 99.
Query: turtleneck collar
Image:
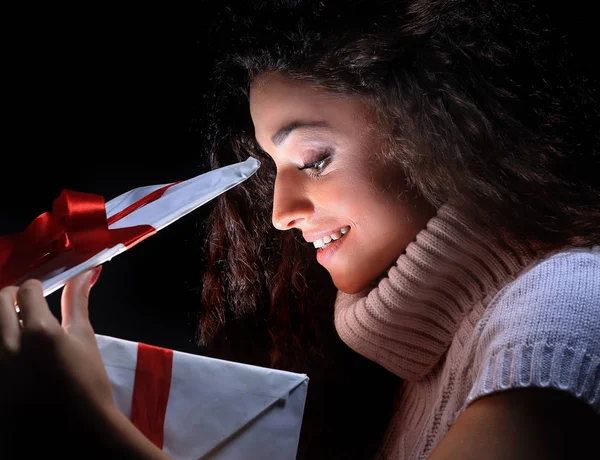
column 408, row 321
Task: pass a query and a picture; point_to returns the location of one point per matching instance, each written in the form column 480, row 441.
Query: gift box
column 191, row 406
column 196, row 407
column 82, row 231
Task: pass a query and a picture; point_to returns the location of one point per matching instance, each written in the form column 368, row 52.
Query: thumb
column 75, row 296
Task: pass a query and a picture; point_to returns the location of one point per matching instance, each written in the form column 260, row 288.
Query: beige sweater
column 459, row 318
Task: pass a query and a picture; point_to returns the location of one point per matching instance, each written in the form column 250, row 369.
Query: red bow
column 77, row 222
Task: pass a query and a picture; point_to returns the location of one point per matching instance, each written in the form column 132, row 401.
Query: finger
column 10, row 331
column 75, row 297
column 34, row 310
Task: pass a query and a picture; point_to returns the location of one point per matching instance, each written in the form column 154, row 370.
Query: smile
column 326, row 240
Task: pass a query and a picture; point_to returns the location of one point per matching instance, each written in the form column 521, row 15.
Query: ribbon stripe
column 149, row 198
column 151, row 391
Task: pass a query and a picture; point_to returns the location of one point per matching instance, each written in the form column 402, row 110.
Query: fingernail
column 95, row 276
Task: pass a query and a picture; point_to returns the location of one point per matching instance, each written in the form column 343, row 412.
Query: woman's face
column 331, row 182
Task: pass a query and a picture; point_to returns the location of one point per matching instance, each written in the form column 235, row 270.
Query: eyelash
column 318, row 165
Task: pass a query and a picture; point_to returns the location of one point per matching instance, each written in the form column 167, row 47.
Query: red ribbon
column 151, row 391
column 77, row 222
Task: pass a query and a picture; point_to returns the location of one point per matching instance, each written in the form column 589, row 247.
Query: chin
column 353, row 285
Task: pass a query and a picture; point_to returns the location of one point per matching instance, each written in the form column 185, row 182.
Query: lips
column 327, row 252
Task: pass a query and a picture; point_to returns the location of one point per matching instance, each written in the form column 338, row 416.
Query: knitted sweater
column 459, row 317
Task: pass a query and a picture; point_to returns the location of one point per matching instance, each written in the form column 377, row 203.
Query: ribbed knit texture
column 459, row 317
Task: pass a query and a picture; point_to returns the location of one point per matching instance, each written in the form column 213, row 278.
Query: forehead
column 276, row 100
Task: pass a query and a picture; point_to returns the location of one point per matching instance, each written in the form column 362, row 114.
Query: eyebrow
column 284, row 132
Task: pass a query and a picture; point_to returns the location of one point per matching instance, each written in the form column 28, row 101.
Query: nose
column 291, row 202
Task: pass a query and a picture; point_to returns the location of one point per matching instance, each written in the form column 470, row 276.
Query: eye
column 319, row 165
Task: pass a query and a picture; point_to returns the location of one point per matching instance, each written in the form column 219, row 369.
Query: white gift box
column 195, row 407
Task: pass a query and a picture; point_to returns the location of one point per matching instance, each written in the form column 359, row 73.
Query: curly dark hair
column 483, row 107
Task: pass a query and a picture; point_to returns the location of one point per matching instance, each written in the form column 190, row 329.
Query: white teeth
column 327, row 239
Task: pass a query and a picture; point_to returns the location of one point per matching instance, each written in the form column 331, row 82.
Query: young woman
column 440, row 168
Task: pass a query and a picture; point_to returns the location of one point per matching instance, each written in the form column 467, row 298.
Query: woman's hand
column 38, row 354
column 52, row 377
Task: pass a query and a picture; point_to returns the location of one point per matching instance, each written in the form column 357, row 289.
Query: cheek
column 385, row 226
column 348, row 199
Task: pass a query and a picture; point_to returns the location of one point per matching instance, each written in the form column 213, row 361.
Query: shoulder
column 543, row 329
column 555, row 299
column 566, row 274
